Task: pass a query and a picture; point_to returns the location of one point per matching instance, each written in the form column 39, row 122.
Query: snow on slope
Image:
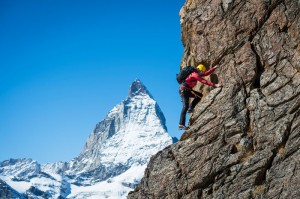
column 112, row 162
column 20, row 169
column 139, row 138
column 115, row 188
column 120, row 147
column 42, row 184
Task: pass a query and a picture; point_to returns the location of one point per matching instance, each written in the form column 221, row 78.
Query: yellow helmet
column 201, row 67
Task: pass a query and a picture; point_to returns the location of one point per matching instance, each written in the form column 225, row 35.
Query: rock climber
column 186, row 91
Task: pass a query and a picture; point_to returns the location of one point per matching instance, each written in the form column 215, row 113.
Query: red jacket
column 192, row 79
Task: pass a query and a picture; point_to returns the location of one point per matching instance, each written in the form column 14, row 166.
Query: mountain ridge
column 112, row 160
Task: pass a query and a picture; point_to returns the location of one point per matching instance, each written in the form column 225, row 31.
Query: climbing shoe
column 182, row 127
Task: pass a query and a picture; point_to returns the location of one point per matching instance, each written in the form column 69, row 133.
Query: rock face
column 20, row 169
column 244, row 138
column 130, row 134
column 25, row 178
column 7, row 192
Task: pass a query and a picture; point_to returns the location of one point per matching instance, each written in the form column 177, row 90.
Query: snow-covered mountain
column 110, row 165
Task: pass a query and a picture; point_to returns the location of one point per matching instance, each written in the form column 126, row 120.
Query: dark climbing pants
column 185, row 98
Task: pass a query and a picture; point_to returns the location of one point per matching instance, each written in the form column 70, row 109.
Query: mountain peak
column 137, row 88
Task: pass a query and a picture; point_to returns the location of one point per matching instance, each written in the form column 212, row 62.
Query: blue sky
column 65, row 64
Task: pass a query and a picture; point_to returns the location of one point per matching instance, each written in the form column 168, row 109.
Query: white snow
column 22, row 169
column 131, row 133
column 20, row 186
column 41, row 183
column 112, row 188
column 140, row 135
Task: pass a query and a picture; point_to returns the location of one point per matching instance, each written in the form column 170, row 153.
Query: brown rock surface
column 244, row 138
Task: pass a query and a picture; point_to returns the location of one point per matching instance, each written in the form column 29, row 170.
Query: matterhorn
column 111, row 163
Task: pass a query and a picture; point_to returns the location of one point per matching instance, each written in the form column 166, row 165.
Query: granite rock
column 243, row 139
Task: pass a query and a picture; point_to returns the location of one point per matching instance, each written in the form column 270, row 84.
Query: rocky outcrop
column 6, row 192
column 130, row 134
column 244, row 138
column 20, row 169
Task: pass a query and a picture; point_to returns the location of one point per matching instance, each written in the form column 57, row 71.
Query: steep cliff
column 244, row 138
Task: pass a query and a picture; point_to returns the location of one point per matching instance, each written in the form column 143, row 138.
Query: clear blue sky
column 65, row 64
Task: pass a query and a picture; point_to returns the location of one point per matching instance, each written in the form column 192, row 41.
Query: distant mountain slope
column 111, row 164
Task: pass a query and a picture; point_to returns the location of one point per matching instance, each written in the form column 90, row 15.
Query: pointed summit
column 137, row 88
column 114, row 157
